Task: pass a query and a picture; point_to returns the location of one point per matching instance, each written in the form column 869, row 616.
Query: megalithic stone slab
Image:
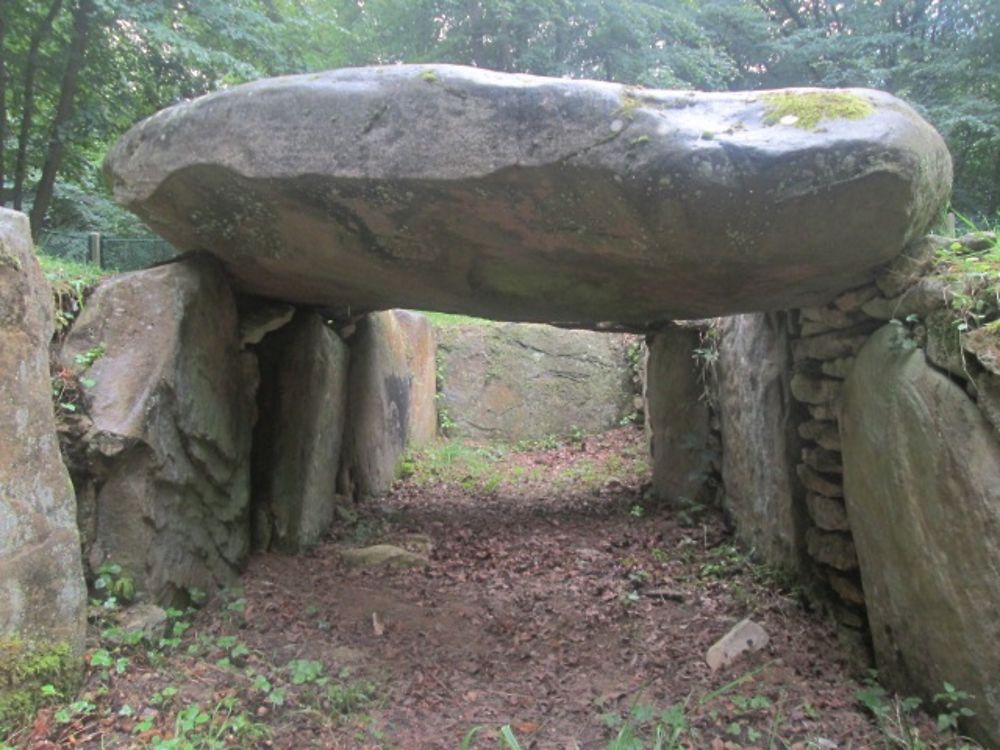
column 922, row 481
column 166, row 486
column 298, row 438
column 528, row 198
column 43, row 599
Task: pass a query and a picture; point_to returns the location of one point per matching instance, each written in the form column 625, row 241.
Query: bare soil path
column 554, row 601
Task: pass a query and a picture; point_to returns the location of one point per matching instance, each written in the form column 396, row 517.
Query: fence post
column 94, row 244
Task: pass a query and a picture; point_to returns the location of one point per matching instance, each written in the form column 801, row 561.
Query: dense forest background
column 75, row 74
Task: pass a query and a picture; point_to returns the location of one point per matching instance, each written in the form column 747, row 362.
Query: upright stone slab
column 922, row 482
column 298, row 439
column 421, row 361
column 172, row 410
column 42, row 593
column 511, row 382
column 677, row 415
column 759, row 444
column 379, row 407
column 517, row 197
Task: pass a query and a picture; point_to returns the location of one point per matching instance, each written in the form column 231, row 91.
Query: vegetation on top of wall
column 448, row 320
column 971, row 266
column 65, row 271
column 71, row 282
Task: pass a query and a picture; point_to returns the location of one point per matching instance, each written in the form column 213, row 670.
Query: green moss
column 812, row 107
column 430, row 76
column 10, row 261
column 630, row 102
column 24, row 668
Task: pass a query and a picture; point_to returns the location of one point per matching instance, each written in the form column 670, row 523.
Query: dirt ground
column 555, row 601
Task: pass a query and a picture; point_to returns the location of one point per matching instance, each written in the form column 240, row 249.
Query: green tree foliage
column 942, row 56
column 78, row 73
column 657, row 43
column 74, row 74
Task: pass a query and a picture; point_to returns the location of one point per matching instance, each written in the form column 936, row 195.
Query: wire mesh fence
column 108, row 251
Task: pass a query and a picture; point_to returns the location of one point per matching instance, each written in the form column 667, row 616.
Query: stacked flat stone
column 823, row 350
column 823, row 353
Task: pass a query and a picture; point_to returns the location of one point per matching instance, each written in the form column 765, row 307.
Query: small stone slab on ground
column 745, row 637
column 381, row 554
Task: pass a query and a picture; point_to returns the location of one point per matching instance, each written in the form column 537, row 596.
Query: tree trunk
column 3, row 101
column 82, row 15
column 476, row 46
column 28, row 99
column 793, row 14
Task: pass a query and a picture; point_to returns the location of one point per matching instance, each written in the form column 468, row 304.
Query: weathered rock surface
column 298, row 439
column 745, row 637
column 760, row 445
column 677, row 416
column 172, row 410
column 526, row 198
column 831, row 548
column 922, row 480
column 380, row 404
column 523, row 382
column 380, row 555
column 421, row 361
column 828, row 513
column 42, row 593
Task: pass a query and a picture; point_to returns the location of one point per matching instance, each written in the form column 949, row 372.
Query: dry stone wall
column 866, row 434
column 823, row 345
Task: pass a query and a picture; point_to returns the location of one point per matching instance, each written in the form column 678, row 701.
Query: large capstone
column 42, row 594
column 525, row 198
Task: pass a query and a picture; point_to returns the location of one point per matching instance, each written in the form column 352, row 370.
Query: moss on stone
column 809, row 108
column 630, row 102
column 24, row 668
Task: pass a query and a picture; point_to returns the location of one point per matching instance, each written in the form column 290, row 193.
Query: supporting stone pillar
column 382, row 400
column 297, row 443
column 42, row 592
column 165, row 464
column 678, row 416
column 760, row 445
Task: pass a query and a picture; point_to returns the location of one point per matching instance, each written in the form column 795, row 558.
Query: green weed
column 896, row 717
